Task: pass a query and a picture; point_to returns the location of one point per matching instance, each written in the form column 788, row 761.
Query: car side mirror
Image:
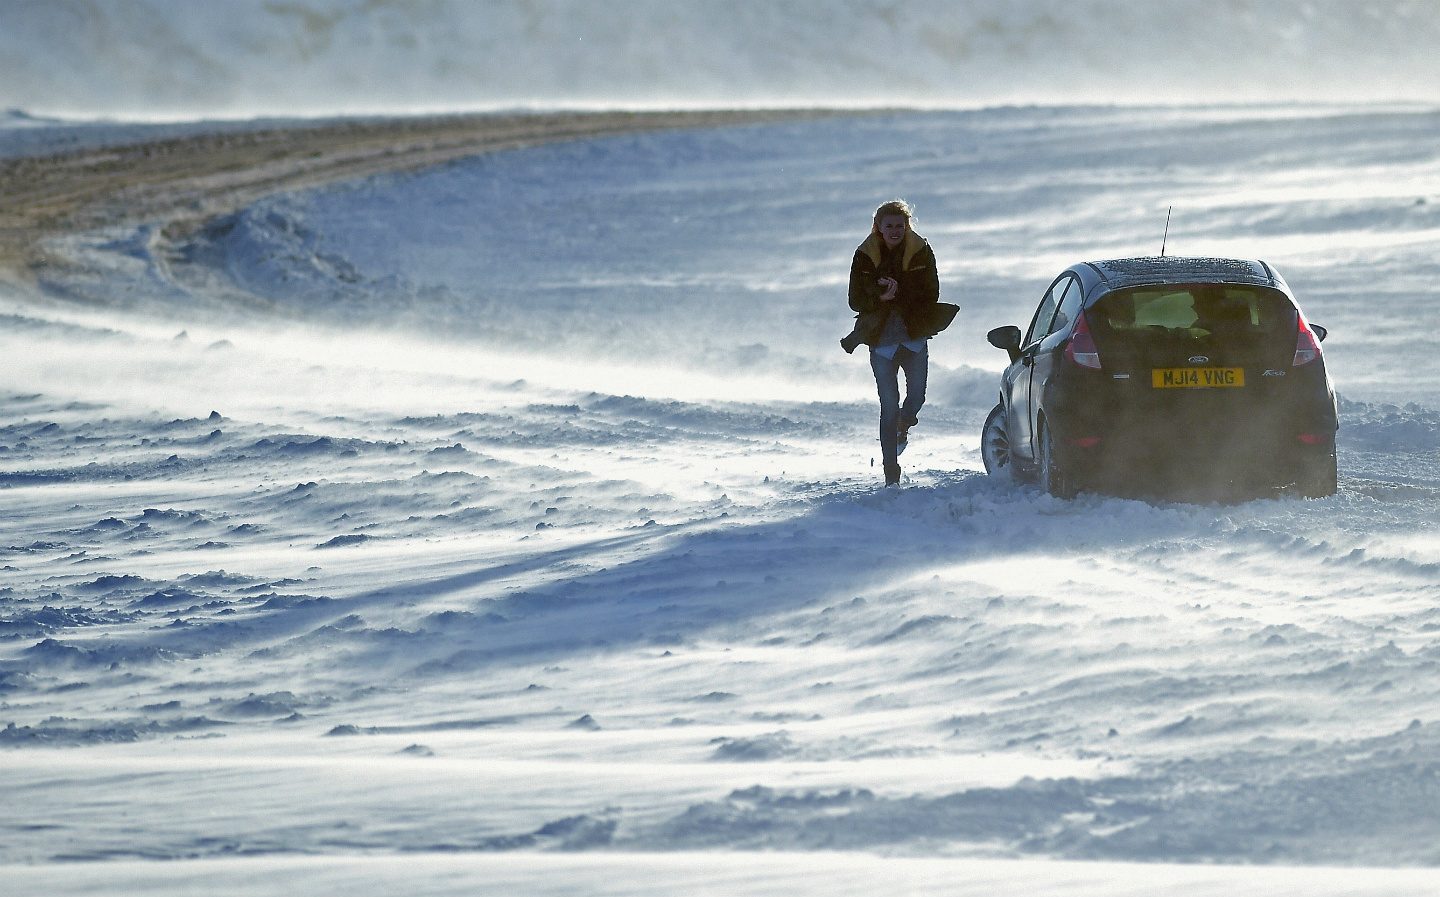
column 1007, row 338
column 1320, row 332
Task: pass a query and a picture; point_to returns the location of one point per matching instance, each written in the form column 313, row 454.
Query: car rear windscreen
column 1212, row 316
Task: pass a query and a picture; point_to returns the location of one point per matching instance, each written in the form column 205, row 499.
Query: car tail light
column 1310, row 438
column 1307, row 347
column 1090, row 441
column 1081, row 348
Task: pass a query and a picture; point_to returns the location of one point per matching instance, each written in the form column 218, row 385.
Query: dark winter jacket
column 917, row 300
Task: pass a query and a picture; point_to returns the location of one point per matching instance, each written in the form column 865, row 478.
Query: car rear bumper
column 1122, row 437
column 1118, row 461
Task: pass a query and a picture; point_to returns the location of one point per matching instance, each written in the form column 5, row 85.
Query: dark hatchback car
column 1165, row 375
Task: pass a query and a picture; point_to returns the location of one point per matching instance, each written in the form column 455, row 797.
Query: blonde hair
column 894, row 207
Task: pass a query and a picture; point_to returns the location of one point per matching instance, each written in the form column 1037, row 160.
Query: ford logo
column 1199, row 359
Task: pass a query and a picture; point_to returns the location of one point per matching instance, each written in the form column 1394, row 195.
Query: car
column 1165, row 375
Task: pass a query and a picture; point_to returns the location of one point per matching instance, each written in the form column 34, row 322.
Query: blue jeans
column 887, row 381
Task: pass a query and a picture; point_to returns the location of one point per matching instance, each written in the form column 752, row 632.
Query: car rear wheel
column 995, row 445
column 1053, row 476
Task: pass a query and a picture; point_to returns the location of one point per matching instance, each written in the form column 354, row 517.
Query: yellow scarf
column 913, row 244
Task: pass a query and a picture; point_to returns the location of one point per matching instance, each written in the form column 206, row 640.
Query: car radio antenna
column 1167, row 231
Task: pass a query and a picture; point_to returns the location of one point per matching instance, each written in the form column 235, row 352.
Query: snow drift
column 369, row 533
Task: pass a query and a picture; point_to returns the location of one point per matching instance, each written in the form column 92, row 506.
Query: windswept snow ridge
column 526, row 505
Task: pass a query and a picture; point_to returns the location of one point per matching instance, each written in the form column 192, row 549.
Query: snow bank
column 673, row 258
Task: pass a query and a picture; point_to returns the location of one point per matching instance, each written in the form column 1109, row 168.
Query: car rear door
column 1020, row 375
column 1066, row 294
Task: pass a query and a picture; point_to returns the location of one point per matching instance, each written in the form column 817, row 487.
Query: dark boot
column 902, row 436
column 892, row 474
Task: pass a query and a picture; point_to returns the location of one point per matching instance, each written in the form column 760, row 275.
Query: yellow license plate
column 1196, row 378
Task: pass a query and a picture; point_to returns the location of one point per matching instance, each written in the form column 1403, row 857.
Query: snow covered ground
column 514, row 524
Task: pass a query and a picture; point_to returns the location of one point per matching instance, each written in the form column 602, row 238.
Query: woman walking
column 895, row 291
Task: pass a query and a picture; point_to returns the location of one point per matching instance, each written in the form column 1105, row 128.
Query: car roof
column 1117, row 273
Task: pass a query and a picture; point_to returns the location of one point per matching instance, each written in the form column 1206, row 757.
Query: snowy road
column 536, row 514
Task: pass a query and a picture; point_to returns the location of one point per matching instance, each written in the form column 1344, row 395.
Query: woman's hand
column 890, row 285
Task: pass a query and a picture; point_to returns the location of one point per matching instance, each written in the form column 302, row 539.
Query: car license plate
column 1196, row 378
